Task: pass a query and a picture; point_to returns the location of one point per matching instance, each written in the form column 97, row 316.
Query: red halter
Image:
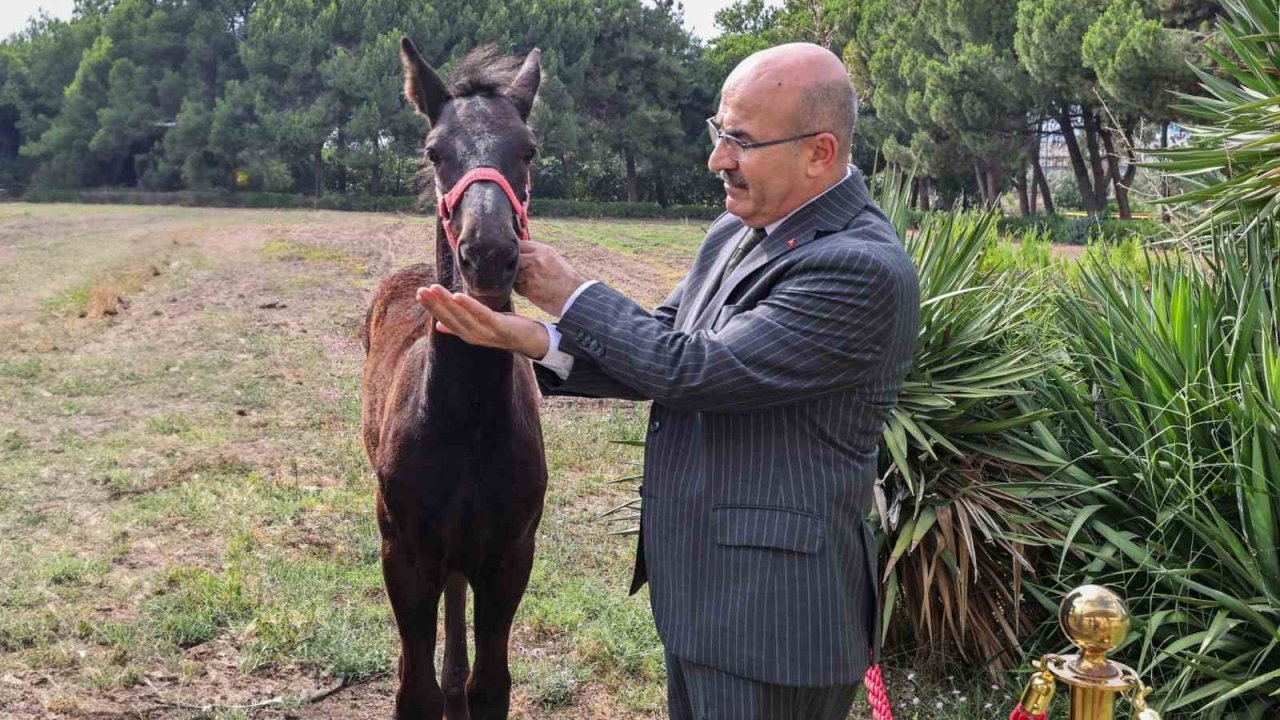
column 449, row 201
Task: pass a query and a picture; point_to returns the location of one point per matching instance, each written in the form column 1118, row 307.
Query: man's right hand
column 545, row 278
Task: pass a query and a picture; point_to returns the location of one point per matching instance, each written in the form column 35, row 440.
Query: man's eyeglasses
column 714, row 132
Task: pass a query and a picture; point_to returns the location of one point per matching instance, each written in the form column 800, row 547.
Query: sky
column 699, row 15
column 14, row 13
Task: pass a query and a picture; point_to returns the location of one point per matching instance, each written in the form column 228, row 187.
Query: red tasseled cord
column 877, row 697
column 1021, row 714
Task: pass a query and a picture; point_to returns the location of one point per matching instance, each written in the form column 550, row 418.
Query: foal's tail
column 453, row 676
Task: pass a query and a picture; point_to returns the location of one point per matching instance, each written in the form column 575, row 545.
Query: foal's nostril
column 468, row 263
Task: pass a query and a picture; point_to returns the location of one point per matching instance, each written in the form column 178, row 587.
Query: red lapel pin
column 791, row 243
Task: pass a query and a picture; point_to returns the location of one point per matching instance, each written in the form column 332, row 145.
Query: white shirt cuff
column 569, row 303
column 556, row 360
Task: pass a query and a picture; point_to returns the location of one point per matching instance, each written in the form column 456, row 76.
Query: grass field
column 186, row 525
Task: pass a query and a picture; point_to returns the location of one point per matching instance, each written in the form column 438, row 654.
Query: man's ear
column 422, row 85
column 524, row 88
column 824, row 151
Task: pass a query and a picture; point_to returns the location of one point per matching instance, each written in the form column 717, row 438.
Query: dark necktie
column 752, row 239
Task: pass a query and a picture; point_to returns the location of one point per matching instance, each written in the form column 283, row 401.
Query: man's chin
column 735, row 205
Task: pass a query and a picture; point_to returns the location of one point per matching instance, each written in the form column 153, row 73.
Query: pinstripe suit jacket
column 770, row 389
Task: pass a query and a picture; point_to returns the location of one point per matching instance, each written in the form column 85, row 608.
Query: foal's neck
column 463, row 379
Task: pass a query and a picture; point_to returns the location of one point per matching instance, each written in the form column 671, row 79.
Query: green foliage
column 223, row 198
column 552, row 207
column 745, row 27
column 1137, row 61
column 306, row 95
column 1169, row 404
column 962, row 469
column 1082, row 231
column 540, row 207
column 1046, row 43
column 1231, row 160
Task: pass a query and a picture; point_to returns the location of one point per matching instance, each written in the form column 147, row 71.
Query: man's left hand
column 462, row 315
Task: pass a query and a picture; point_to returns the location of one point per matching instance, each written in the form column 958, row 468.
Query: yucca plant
column 963, row 471
column 1233, row 158
column 1170, row 406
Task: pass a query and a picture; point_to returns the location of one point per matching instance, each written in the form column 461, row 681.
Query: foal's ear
column 525, row 87
column 422, row 85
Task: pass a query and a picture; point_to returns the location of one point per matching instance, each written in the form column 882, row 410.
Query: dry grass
column 185, row 510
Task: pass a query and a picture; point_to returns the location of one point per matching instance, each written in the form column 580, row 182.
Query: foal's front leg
column 414, row 586
column 497, row 595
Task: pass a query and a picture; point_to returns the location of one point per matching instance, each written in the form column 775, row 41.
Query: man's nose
column 721, row 158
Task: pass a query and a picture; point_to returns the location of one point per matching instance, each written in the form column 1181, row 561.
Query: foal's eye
column 432, row 156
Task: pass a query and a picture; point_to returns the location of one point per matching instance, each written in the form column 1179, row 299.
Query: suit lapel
column 832, row 211
column 722, row 244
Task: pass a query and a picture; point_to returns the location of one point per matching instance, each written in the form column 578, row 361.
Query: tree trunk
column 1131, row 170
column 915, row 193
column 342, row 166
column 1113, row 170
column 982, row 183
column 1035, row 193
column 1033, row 154
column 993, row 187
column 1101, row 181
column 1037, row 174
column 926, row 189
column 1165, row 215
column 1078, row 166
column 633, row 192
column 1024, row 200
column 570, row 191
column 317, row 169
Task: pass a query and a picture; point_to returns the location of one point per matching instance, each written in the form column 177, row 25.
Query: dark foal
column 452, row 430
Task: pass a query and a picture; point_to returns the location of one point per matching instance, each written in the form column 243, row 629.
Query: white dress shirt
column 561, row 363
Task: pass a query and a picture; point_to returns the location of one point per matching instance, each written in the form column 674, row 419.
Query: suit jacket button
column 655, row 425
column 579, row 334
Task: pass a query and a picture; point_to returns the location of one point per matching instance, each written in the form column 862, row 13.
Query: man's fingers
column 470, row 304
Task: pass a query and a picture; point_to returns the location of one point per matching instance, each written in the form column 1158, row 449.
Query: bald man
column 772, row 368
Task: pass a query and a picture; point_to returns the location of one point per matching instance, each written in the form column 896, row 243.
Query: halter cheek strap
column 449, row 201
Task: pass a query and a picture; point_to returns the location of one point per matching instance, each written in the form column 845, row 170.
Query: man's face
column 759, row 183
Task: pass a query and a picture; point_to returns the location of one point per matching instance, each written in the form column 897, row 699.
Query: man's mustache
column 732, row 178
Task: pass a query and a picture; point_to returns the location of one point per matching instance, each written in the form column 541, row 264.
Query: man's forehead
column 755, row 106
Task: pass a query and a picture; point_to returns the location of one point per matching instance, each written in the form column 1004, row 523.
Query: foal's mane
column 484, row 71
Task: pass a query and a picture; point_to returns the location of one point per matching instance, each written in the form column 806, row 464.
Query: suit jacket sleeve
column 823, row 326
column 588, row 379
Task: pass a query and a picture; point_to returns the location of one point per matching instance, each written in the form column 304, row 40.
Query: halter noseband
column 449, row 201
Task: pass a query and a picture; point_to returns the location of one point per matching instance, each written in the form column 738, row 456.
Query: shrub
column 1169, row 403
column 1083, row 230
column 544, row 207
